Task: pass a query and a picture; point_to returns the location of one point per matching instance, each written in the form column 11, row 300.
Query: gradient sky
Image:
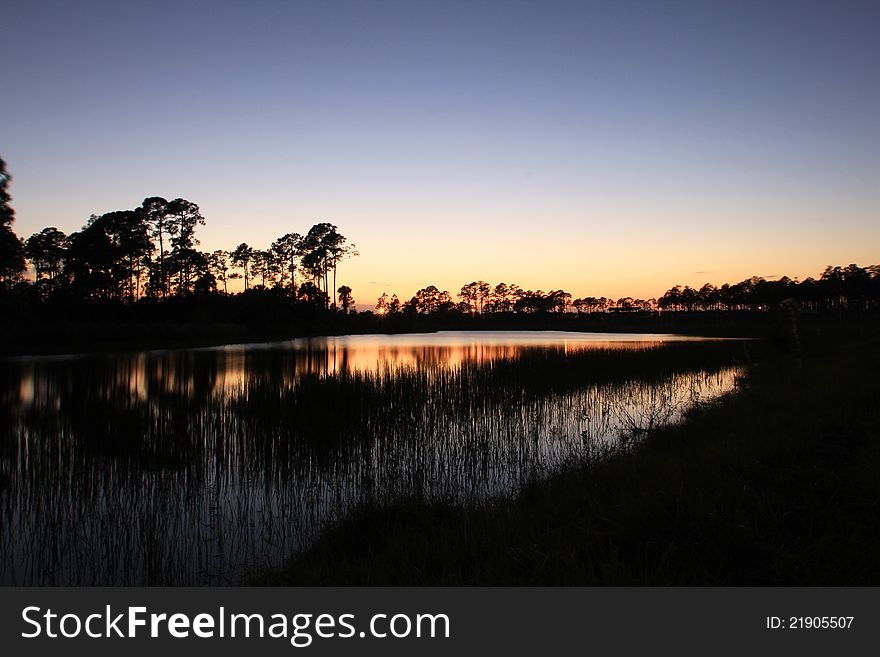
column 608, row 148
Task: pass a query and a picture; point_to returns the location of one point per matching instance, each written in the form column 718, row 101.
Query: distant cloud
column 387, row 283
column 702, row 272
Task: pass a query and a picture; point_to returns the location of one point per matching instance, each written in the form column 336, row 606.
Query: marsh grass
column 776, row 485
column 161, row 468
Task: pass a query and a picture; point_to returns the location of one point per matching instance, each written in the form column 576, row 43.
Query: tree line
column 151, row 252
column 479, row 297
column 838, row 288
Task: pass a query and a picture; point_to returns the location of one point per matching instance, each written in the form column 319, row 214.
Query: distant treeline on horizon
column 850, row 287
column 149, row 253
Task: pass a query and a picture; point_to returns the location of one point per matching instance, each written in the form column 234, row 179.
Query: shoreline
column 38, row 337
column 775, row 485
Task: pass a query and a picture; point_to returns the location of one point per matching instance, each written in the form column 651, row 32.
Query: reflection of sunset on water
column 238, row 455
column 231, row 368
column 444, row 349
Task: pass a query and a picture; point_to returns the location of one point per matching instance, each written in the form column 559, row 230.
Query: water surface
column 193, row 466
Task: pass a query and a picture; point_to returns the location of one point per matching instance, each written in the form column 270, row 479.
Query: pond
column 191, row 467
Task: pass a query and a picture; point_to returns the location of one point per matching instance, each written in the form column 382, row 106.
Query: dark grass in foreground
column 779, row 484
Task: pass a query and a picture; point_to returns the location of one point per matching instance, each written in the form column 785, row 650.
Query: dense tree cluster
column 11, row 249
column 316, row 256
column 838, row 288
column 151, row 251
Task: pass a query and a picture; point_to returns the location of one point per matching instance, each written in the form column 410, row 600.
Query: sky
column 607, row 148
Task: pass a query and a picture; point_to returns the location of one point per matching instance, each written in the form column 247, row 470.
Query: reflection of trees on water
column 200, row 375
column 188, row 467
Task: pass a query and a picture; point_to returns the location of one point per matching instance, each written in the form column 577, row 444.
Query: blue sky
column 608, row 148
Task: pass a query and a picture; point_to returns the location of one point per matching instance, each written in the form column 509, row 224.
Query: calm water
column 192, row 466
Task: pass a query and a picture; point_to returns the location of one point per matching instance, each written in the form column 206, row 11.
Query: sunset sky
column 608, row 148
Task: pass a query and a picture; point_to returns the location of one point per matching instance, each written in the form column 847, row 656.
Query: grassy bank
column 779, row 484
